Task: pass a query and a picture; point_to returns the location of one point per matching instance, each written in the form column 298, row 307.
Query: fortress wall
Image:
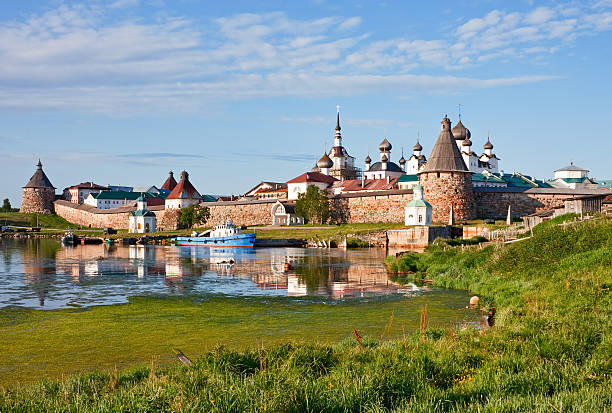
column 370, row 207
column 88, row 216
column 495, row 204
column 241, row 212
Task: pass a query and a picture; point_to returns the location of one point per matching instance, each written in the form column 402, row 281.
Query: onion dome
column 368, row 159
column 417, row 147
column 488, row 145
column 460, row 132
column 466, row 142
column 325, row 162
column 384, row 158
column 385, row 146
column 315, row 168
column 402, row 161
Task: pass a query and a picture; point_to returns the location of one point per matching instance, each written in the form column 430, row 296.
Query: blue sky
column 120, row 92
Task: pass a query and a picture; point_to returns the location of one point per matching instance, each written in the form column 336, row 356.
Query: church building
column 385, row 168
column 342, row 165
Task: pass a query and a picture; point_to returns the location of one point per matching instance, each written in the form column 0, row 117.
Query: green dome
column 418, row 203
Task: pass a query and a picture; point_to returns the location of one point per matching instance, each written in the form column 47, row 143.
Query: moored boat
column 70, row 239
column 224, row 235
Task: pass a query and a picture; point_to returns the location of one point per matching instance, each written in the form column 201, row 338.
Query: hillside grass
column 17, row 219
column 549, row 351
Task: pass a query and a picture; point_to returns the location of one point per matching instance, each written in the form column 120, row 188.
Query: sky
column 122, row 91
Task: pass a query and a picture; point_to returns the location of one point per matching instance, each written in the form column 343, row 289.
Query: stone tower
column 446, row 179
column 38, row 194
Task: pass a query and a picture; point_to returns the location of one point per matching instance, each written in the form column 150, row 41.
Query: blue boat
column 224, row 235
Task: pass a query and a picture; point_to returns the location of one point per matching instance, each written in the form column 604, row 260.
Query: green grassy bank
column 550, row 350
column 323, row 231
column 39, row 344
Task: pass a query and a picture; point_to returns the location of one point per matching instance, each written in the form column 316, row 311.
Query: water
column 40, row 273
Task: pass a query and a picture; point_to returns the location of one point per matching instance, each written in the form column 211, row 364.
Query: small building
column 300, row 184
column 283, row 213
column 264, row 186
column 78, row 193
column 407, row 181
column 142, row 220
column 116, row 199
column 38, row 194
column 418, row 211
column 573, row 177
column 183, row 195
column 148, row 188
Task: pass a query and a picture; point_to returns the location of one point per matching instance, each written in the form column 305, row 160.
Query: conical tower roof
column 39, row 179
column 170, row 182
column 445, row 156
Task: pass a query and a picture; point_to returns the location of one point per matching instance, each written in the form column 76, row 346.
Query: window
column 420, row 218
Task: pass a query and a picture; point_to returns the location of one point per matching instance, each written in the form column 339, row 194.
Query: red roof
column 270, row 190
column 184, row 189
column 89, row 185
column 312, row 177
column 170, row 182
column 368, row 184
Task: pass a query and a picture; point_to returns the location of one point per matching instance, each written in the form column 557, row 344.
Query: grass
column 39, row 344
column 16, row 219
column 550, row 349
column 324, row 231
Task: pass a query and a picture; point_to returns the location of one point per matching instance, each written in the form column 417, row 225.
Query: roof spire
column 39, row 164
column 338, row 117
column 459, row 107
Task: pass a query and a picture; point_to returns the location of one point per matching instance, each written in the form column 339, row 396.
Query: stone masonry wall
column 370, row 208
column 449, row 188
column 241, row 212
column 494, row 205
column 88, row 216
column 37, row 201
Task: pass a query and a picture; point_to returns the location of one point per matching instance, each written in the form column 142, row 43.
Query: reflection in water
column 41, row 273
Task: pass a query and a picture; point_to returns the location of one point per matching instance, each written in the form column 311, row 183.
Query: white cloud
column 86, row 57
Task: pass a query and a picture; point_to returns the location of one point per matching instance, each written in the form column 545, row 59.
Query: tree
column 313, row 205
column 6, row 206
column 194, row 215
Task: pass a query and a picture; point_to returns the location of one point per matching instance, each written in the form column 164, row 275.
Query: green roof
column 486, row 178
column 408, row 178
column 604, row 184
column 131, row 196
column 574, row 180
column 208, row 198
column 523, row 181
column 418, row 203
column 143, row 213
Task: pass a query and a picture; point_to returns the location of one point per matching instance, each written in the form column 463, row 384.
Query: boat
column 224, row 235
column 70, row 239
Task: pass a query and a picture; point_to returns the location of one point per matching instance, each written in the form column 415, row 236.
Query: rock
column 474, row 301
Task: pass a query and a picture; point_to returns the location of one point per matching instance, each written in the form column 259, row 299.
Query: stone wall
column 443, row 189
column 37, row 201
column 493, row 203
column 370, row 207
column 241, row 212
column 419, row 237
column 88, row 216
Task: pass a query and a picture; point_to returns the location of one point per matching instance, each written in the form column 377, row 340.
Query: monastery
column 452, row 183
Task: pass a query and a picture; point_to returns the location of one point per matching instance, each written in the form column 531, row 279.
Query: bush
column 194, row 215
